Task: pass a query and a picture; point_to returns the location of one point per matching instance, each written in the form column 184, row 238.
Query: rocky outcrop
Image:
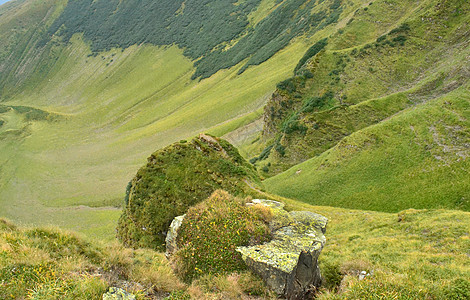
column 172, row 234
column 289, row 262
column 115, row 293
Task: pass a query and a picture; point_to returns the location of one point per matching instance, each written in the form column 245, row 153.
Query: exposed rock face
column 115, row 293
column 172, row 234
column 289, row 263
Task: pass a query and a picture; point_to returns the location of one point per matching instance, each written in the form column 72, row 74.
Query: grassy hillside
column 417, row 159
column 416, row 254
column 218, row 34
column 377, row 65
column 368, row 110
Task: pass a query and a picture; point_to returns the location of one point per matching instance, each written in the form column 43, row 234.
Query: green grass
column 415, row 254
column 47, row 263
column 417, row 159
column 232, row 125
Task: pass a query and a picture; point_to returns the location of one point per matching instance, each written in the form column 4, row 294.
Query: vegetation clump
column 176, row 178
column 311, row 52
column 213, row 229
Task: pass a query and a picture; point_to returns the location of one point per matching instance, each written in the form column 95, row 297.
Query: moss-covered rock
column 176, row 178
column 288, row 263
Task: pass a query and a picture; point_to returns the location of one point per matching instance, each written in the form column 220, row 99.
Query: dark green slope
column 218, row 33
column 214, row 34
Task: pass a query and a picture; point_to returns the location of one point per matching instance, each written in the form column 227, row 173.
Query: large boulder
column 289, row 262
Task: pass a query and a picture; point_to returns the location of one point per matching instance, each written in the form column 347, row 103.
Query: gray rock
column 115, row 293
column 289, row 262
column 171, row 246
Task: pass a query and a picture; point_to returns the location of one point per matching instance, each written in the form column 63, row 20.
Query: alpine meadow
column 235, row 149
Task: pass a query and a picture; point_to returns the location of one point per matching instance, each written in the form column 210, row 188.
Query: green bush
column 176, row 178
column 211, row 232
column 311, row 52
column 316, row 102
column 287, row 85
column 401, row 39
column 292, row 124
column 280, row 149
column 400, row 29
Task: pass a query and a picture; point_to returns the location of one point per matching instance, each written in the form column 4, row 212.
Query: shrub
column 311, row 52
column 381, row 38
column 401, row 39
column 287, row 85
column 316, row 102
column 292, row 124
column 402, row 28
column 280, row 149
column 210, row 233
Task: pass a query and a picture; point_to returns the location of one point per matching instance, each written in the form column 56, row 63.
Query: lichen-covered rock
column 170, row 241
column 289, row 263
column 115, row 293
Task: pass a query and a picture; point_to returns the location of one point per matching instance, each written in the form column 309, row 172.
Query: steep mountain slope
column 113, row 106
column 417, row 159
column 377, row 70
